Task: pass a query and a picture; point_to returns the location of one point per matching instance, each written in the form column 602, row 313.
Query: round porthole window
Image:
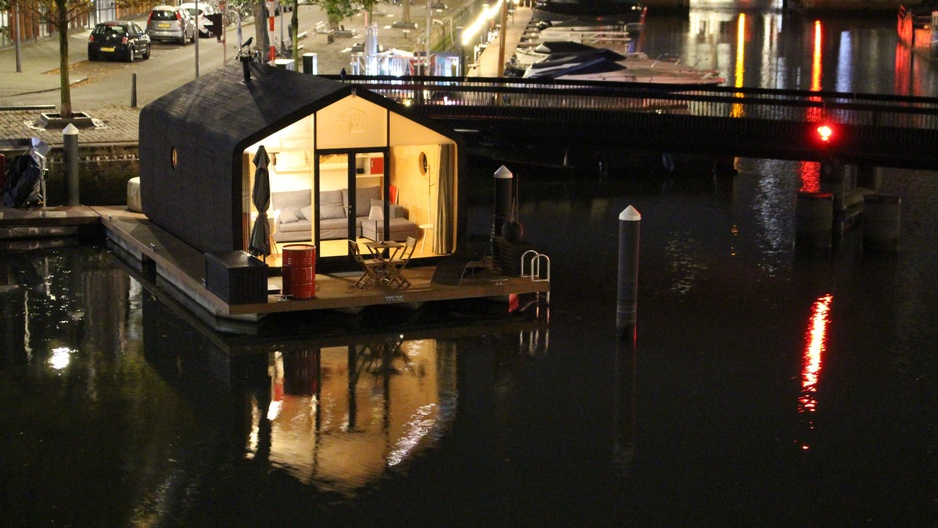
column 174, row 157
column 424, row 165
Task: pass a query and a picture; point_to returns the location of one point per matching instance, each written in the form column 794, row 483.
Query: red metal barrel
column 299, row 271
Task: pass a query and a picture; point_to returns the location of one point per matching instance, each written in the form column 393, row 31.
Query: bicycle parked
column 238, row 10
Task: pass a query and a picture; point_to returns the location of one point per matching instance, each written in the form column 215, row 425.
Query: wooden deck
column 36, row 227
column 181, row 269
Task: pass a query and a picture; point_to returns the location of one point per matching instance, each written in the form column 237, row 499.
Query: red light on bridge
column 825, row 132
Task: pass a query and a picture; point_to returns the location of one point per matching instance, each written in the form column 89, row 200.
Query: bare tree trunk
column 66, row 90
column 260, row 27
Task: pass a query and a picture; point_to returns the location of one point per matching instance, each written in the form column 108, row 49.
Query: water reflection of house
column 339, row 412
column 376, row 403
column 336, row 152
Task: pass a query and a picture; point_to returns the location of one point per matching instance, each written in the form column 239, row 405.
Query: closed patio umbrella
column 260, row 234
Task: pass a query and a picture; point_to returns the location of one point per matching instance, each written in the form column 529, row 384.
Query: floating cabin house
column 334, row 151
column 343, row 164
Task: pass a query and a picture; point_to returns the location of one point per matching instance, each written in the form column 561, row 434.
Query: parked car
column 118, row 39
column 201, row 17
column 171, row 23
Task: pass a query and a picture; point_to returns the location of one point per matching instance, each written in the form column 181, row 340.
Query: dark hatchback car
column 118, row 39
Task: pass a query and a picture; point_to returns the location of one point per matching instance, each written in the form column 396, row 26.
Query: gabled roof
column 225, row 112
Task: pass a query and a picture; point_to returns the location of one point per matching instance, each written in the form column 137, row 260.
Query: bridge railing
column 482, row 98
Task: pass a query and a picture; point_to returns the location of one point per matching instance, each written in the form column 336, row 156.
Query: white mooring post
column 630, row 221
column 504, row 183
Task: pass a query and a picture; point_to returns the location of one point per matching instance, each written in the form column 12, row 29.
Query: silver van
column 171, row 23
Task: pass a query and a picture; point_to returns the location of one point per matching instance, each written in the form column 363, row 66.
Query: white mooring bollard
column 630, row 222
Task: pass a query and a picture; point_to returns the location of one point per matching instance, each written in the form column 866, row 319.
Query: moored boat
column 629, row 11
column 579, row 62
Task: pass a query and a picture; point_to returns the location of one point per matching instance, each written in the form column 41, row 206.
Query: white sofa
column 294, row 225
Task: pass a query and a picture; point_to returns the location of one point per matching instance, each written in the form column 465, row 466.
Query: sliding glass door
column 352, row 199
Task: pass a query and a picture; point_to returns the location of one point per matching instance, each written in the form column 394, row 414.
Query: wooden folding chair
column 369, row 266
column 394, row 267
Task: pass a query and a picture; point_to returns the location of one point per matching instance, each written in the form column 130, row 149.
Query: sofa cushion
column 286, row 199
column 289, row 215
column 327, row 212
column 307, row 212
column 331, row 205
column 331, row 198
column 363, row 198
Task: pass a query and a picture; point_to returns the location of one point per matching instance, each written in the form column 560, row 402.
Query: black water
column 767, row 386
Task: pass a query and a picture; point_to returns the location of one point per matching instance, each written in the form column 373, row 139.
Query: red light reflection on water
column 810, row 171
column 815, row 345
column 909, row 72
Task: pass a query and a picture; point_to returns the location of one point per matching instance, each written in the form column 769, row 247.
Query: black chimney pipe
column 246, row 68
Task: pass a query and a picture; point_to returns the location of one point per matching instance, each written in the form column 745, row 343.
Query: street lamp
column 474, row 29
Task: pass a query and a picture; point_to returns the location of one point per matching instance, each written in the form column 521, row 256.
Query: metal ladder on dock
column 538, row 269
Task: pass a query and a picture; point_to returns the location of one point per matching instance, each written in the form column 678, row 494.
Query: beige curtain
column 445, row 217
